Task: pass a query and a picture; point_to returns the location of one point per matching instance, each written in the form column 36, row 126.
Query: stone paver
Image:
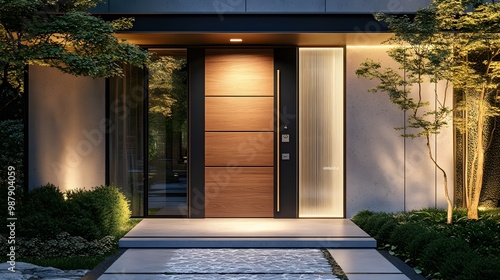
column 220, row 264
column 362, row 261
column 366, row 264
column 29, row 271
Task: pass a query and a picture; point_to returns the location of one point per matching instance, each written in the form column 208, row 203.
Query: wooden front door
column 239, row 133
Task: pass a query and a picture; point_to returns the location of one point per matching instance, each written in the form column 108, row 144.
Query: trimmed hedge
column 42, row 213
column 92, row 214
column 467, row 249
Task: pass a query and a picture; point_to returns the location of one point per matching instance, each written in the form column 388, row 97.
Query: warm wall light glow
column 321, row 118
column 236, row 40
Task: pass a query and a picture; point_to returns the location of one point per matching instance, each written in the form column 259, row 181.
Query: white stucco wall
column 66, row 129
column 385, row 172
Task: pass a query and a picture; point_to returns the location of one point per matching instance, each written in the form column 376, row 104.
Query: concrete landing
column 247, row 233
column 195, row 249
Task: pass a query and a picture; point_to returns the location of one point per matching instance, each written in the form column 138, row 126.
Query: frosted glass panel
column 321, row 132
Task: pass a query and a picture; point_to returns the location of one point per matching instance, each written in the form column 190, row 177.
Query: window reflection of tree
column 168, row 107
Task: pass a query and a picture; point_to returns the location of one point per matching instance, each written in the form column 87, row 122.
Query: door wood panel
column 239, row 113
column 239, row 133
column 239, row 72
column 239, row 148
column 239, row 192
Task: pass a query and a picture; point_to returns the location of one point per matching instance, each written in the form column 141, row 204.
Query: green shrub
column 42, row 213
column 404, row 234
column 91, row 214
column 12, row 147
column 102, row 211
column 372, row 226
column 362, row 217
column 482, row 235
column 452, row 266
column 420, row 240
column 464, row 250
column 438, row 250
column 384, row 233
column 481, row 268
column 428, row 214
column 61, row 245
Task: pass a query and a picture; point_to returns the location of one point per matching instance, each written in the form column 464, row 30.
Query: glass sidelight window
column 167, row 133
column 148, row 140
column 126, row 136
column 321, row 132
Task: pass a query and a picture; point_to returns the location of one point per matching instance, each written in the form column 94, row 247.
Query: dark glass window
column 126, row 136
column 167, row 133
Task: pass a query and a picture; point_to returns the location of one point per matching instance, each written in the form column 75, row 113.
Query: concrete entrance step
column 247, row 242
column 247, row 233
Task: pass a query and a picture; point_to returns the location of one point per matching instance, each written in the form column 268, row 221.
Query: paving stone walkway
column 207, row 264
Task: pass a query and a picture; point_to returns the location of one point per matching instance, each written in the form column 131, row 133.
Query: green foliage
column 12, row 147
column 62, row 245
column 362, row 217
column 85, row 259
column 168, row 100
column 437, row 251
column 481, row 268
column 102, row 211
column 374, row 224
column 89, row 214
column 455, row 45
column 42, row 213
column 480, row 234
column 467, row 249
column 63, row 35
column 59, row 34
column 385, row 231
column 403, row 234
column 418, row 241
column 453, row 265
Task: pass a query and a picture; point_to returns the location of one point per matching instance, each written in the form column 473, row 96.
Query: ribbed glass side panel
column 321, row 132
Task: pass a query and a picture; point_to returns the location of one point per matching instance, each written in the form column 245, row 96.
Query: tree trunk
column 449, row 216
column 472, row 212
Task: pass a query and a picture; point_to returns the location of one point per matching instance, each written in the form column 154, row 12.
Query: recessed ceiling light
column 236, row 40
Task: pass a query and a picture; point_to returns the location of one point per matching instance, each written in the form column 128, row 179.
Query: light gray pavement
column 220, row 264
column 366, row 264
column 247, row 249
column 194, row 264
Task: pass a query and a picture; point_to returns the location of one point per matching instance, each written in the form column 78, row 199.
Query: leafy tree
column 454, row 43
column 61, row 34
